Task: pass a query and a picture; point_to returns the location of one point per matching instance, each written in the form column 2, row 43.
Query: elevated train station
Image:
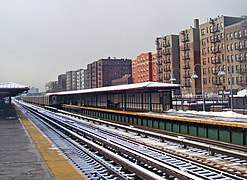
column 147, row 105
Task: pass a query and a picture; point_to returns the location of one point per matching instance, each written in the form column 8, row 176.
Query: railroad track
column 133, row 150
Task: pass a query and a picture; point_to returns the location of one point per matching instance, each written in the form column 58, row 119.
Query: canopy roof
column 136, row 86
column 11, row 89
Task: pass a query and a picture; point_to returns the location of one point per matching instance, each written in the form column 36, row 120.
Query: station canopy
column 119, row 88
column 8, row 89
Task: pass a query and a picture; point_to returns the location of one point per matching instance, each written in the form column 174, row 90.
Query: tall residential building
column 71, row 80
column 189, row 42
column 213, row 51
column 62, row 82
column 154, row 67
column 167, row 57
column 101, row 73
column 51, row 86
column 236, row 56
column 142, row 68
column 80, row 79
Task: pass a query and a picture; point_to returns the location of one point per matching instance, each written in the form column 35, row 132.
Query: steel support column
column 150, row 101
column 125, row 102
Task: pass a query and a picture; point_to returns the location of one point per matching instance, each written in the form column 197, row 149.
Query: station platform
column 213, row 126
column 26, row 154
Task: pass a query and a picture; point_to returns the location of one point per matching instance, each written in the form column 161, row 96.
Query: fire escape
column 159, row 58
column 215, row 42
column 166, row 56
column 185, row 48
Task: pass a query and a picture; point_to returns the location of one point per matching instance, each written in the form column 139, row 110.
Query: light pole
column 195, row 76
column 222, row 73
column 173, row 79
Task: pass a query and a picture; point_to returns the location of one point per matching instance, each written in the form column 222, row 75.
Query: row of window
column 237, row 34
column 242, row 80
column 215, row 70
column 230, row 58
column 236, row 46
column 211, row 29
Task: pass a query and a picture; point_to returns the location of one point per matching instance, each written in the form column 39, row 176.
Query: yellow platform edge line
column 165, row 117
column 59, row 167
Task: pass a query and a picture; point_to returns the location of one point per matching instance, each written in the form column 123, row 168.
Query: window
column 236, row 46
column 203, row 32
column 232, row 46
column 219, row 56
column 209, row 70
column 228, row 47
column 227, row 36
column 221, row 25
column 241, row 57
column 240, row 33
column 228, row 59
column 245, row 32
column 211, row 28
column 235, row 34
column 232, row 58
column 236, row 57
column 231, row 35
column 222, row 35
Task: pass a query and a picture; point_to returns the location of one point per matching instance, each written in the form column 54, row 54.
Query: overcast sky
column 40, row 39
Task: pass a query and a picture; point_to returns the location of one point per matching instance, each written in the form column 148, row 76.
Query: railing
column 186, row 57
column 196, row 102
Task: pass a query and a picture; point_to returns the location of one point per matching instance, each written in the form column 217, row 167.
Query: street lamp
column 173, row 79
column 195, row 76
column 222, row 73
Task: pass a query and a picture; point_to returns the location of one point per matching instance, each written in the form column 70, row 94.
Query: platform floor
column 26, row 154
column 19, row 158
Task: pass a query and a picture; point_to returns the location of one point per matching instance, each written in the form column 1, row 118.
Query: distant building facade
column 69, row 80
column 101, row 73
column 62, row 82
column 126, row 79
column 80, row 79
column 142, row 68
column 51, row 87
column 155, row 67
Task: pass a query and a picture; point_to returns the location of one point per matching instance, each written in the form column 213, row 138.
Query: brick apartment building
column 189, row 42
column 154, row 67
column 142, row 68
column 145, row 68
column 236, row 56
column 101, row 73
column 220, row 42
column 168, row 57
